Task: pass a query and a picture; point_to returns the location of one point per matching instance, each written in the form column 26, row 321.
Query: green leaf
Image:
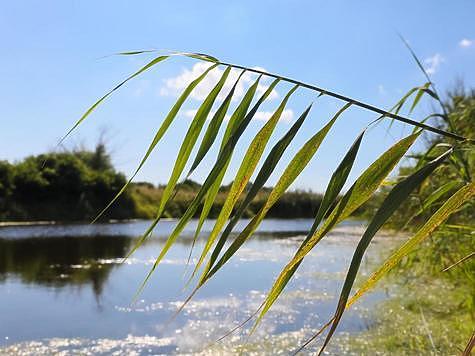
column 214, row 173
column 427, row 118
column 199, row 56
column 437, row 194
column 268, row 167
column 463, row 195
column 161, row 131
column 96, row 104
column 391, row 203
column 190, row 140
column 336, row 183
column 248, row 165
column 418, row 96
column 420, row 90
column 359, row 193
column 213, row 127
column 236, row 119
column 294, row 168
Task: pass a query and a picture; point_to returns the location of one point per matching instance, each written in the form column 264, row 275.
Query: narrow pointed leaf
column 245, row 171
column 391, row 203
column 294, row 168
column 213, row 127
column 190, row 140
column 98, row 102
column 437, row 194
column 236, row 118
column 336, row 183
column 214, row 173
column 418, row 96
column 268, row 167
column 161, row 131
column 358, row 194
column 462, row 196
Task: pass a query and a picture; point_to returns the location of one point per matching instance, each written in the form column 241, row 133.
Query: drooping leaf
column 391, row 203
column 214, row 173
column 190, row 140
column 463, row 195
column 245, row 171
column 358, row 194
column 293, row 169
column 268, row 167
column 213, row 127
column 161, row 131
column 452, row 205
column 336, row 183
column 199, row 56
column 96, row 104
column 417, row 98
column 419, row 90
column 234, row 122
column 437, row 194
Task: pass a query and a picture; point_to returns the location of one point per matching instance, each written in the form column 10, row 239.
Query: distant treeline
column 76, row 185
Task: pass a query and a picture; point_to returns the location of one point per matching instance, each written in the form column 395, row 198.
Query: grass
column 425, row 316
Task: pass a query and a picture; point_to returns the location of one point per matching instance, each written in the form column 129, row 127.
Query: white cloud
column 381, row 89
column 287, row 115
column 174, row 86
column 433, row 63
column 465, row 43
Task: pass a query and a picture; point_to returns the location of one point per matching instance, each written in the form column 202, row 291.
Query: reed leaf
column 236, row 119
column 266, row 170
column 358, row 194
column 420, row 92
column 391, row 203
column 161, row 131
column 190, row 140
column 336, row 183
column 213, row 127
column 214, row 173
column 460, row 197
column 437, row 194
column 245, row 171
column 294, row 168
column 98, row 102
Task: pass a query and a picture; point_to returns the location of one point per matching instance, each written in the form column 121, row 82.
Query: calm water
column 63, row 289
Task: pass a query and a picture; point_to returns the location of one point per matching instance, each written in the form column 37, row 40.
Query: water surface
column 63, row 288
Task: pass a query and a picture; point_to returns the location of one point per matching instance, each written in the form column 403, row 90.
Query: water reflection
column 61, row 261
column 62, row 273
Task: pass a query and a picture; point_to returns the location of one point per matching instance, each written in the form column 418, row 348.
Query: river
column 63, row 288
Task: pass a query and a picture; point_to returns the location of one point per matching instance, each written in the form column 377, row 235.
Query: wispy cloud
column 381, row 89
column 173, row 86
column 433, row 63
column 287, row 115
column 465, row 43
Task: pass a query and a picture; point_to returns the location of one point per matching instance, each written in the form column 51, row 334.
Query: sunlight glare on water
column 64, row 289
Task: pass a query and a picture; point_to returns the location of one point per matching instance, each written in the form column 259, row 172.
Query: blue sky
column 52, row 67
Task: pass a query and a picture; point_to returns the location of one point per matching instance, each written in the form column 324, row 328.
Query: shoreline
column 117, row 221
